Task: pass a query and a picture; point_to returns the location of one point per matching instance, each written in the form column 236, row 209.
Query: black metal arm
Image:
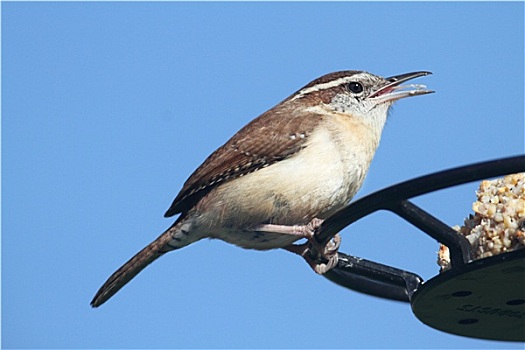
column 385, row 281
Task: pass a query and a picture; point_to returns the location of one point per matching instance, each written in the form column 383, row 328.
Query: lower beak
column 393, row 90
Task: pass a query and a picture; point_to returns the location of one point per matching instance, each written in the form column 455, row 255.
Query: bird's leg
column 320, row 258
column 301, row 231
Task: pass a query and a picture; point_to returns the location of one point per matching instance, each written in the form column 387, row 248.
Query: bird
column 279, row 177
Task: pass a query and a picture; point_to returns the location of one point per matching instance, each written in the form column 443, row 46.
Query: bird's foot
column 320, row 258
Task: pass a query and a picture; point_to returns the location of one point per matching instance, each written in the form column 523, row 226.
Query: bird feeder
column 479, row 298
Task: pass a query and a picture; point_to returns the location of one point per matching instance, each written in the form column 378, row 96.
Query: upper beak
column 392, row 90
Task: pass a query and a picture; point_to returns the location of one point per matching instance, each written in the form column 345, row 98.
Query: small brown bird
column 281, row 175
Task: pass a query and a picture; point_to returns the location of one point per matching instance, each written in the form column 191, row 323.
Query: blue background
column 107, row 108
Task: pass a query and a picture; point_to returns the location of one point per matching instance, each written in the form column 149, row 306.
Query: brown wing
column 272, row 137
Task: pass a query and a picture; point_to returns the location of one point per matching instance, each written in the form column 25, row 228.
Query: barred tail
column 136, row 264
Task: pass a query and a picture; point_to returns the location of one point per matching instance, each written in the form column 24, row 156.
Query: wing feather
column 275, row 135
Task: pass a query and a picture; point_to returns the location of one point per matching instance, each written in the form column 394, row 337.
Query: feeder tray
column 483, row 298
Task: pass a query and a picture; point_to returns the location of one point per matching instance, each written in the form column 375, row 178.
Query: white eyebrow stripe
column 328, row 85
column 324, row 86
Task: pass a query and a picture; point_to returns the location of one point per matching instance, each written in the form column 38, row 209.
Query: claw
column 320, row 258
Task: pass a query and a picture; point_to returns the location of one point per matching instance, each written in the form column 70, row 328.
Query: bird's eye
column 354, row 87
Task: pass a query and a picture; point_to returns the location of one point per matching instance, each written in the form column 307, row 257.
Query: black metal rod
column 458, row 245
column 374, row 278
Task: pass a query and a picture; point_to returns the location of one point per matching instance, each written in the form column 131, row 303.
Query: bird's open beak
column 393, row 91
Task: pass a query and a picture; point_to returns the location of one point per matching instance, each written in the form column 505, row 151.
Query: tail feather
column 134, row 265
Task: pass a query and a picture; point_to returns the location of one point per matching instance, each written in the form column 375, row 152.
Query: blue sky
column 107, row 108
